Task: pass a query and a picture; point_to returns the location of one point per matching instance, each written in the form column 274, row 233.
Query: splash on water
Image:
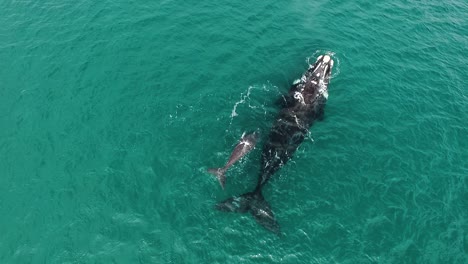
column 242, row 100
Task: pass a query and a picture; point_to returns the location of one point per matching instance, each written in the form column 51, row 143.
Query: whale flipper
column 255, row 203
column 219, row 173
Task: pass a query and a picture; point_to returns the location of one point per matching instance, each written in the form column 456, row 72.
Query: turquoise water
column 111, row 112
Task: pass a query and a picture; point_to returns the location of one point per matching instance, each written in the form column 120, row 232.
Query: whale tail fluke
column 219, row 173
column 256, row 205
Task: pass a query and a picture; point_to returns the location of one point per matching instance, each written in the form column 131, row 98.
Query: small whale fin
column 219, row 173
column 256, row 205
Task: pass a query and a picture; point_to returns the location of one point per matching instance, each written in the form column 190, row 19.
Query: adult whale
column 303, row 105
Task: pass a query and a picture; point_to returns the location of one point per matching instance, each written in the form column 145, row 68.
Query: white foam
column 241, row 101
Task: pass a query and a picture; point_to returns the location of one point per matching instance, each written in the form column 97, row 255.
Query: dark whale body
column 303, row 105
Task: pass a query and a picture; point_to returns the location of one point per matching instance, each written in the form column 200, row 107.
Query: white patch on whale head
column 326, row 58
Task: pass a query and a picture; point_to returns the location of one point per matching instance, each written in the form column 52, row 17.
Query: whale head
column 320, row 71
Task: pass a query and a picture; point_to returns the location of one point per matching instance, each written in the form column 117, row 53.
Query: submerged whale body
column 304, row 103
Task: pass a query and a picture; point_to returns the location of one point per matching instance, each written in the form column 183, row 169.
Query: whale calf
column 303, row 104
column 245, row 145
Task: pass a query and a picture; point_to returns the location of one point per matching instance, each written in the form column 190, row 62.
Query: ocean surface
column 112, row 111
